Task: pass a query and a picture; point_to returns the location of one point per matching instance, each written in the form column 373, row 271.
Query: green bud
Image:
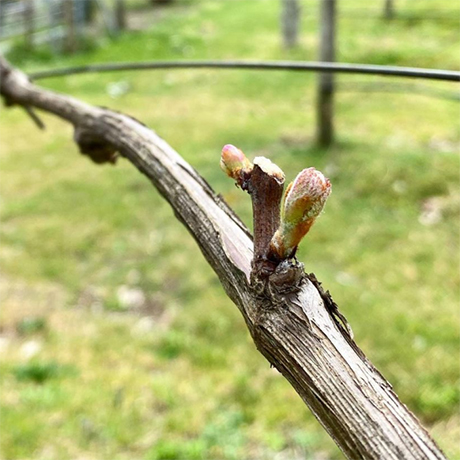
column 304, row 200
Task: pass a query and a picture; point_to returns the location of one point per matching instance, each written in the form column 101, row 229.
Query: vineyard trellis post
column 290, row 22
column 389, row 10
column 325, row 95
column 71, row 35
column 29, row 24
column 120, row 15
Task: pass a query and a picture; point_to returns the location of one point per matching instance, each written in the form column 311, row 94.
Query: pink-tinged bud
column 303, row 202
column 306, row 196
column 234, row 162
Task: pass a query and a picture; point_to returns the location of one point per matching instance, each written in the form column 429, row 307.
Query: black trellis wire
column 398, row 88
column 300, row 66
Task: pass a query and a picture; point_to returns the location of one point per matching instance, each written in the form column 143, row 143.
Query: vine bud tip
column 233, row 161
column 304, row 200
column 306, row 196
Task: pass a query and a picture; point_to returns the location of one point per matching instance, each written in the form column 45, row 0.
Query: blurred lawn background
column 117, row 340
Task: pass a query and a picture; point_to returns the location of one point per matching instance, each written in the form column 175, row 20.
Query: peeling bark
column 299, row 330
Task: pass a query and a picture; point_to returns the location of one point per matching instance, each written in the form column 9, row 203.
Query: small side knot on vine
column 89, row 143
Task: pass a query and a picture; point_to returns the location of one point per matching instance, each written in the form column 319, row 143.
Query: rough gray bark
column 290, row 22
column 298, row 329
column 325, row 98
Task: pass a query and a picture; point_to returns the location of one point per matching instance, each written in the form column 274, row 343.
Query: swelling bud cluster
column 286, row 223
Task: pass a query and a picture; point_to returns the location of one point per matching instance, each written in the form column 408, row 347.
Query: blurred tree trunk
column 71, row 33
column 325, row 96
column 29, row 23
column 389, row 12
column 290, row 22
column 120, row 15
column 2, row 17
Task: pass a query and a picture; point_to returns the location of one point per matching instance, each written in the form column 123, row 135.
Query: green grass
column 117, row 340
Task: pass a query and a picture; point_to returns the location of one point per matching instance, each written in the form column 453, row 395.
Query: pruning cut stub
column 265, row 186
column 270, row 168
column 278, row 229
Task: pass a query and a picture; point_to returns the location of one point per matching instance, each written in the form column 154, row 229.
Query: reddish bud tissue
column 233, row 162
